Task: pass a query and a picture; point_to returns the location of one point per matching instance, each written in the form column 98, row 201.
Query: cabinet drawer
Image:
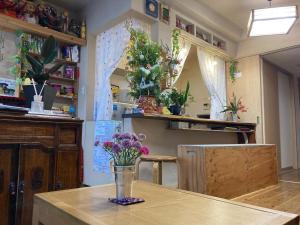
column 26, row 129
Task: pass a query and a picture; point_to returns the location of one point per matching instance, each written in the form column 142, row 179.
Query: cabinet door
column 8, row 180
column 36, row 176
column 67, row 171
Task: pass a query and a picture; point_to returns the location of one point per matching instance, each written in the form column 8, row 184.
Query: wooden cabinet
column 36, row 155
column 227, row 171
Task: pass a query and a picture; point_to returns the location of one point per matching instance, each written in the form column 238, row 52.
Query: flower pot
column 175, row 109
column 124, row 176
column 147, row 103
column 48, row 94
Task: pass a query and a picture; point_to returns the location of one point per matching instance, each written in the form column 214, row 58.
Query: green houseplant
column 145, row 69
column 175, row 99
column 39, row 73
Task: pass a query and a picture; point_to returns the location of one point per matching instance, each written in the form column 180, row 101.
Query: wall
column 248, row 87
column 191, row 72
column 271, row 105
column 286, row 108
column 266, row 44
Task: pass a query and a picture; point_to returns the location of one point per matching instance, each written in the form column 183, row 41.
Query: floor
column 283, row 197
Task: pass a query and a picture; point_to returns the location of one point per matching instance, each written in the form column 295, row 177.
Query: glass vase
column 124, row 176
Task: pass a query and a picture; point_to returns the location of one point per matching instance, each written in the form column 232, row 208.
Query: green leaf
column 36, row 65
column 55, row 68
column 50, row 58
column 48, row 47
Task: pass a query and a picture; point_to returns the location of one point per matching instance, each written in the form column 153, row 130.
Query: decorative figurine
column 65, row 20
column 74, row 28
column 30, row 13
column 83, row 30
column 47, row 16
column 20, row 9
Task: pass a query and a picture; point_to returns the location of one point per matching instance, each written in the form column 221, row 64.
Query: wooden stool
column 157, row 161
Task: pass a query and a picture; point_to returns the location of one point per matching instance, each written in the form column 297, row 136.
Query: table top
column 162, row 206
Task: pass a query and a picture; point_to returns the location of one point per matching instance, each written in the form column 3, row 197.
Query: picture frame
column 164, row 13
column 152, row 8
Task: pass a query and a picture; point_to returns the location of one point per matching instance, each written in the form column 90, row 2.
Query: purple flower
column 125, row 136
column 137, row 144
column 134, row 137
column 116, row 148
column 116, row 136
column 126, row 143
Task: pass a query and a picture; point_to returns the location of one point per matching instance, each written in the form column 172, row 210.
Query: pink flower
column 107, row 144
column 144, row 150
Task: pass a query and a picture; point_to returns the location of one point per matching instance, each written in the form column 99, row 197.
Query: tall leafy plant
column 180, row 98
column 145, row 65
column 38, row 63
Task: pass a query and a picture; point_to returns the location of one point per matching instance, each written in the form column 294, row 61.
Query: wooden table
column 163, row 206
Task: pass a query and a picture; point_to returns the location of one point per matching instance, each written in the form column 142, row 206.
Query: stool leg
column 178, row 174
column 157, row 172
column 137, row 169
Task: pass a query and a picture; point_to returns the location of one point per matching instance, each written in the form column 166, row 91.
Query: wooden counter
column 227, row 171
column 245, row 131
column 37, row 154
column 162, row 206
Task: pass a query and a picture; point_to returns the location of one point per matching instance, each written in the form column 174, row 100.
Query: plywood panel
column 227, row 171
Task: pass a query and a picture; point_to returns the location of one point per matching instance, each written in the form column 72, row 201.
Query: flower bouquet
column 124, row 151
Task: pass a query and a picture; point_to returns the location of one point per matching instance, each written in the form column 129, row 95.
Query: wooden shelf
column 211, row 130
column 62, row 78
column 56, row 60
column 17, row 24
column 66, row 97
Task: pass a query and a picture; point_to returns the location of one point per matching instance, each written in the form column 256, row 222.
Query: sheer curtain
column 185, row 48
column 213, row 73
column 110, row 48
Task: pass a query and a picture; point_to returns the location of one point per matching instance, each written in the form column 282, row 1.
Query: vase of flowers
column 124, row 151
column 235, row 106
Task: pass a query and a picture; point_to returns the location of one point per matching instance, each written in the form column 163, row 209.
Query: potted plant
column 235, row 106
column 145, row 70
column 178, row 99
column 124, row 151
column 39, row 74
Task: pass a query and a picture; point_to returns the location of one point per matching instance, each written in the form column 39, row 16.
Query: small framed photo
column 152, row 8
column 165, row 13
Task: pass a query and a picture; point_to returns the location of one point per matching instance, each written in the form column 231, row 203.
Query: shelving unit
column 14, row 24
column 200, row 33
column 71, row 84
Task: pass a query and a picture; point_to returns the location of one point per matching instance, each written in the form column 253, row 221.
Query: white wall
column 285, row 114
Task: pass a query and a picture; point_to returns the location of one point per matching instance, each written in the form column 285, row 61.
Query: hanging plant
column 233, row 70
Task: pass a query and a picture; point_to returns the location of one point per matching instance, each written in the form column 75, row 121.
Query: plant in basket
column 145, row 69
column 124, row 151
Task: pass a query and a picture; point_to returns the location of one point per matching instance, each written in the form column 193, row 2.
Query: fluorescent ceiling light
column 272, row 21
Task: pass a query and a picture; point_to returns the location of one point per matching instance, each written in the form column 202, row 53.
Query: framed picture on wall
column 164, row 14
column 152, row 8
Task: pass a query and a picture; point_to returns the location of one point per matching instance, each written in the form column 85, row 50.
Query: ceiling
column 238, row 11
column 288, row 60
column 70, row 4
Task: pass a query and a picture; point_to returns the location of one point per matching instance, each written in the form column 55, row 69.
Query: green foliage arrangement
column 233, row 70
column 235, row 106
column 145, row 65
column 38, row 63
column 176, row 97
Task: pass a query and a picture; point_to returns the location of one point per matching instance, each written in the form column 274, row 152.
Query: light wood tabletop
column 162, row 206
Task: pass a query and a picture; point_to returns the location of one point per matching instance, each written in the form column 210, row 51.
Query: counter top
column 187, row 119
column 162, row 206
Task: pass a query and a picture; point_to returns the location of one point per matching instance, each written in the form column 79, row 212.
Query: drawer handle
column 12, row 188
column 21, row 187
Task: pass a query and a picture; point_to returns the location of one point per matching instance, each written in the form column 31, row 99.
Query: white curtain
column 185, row 48
column 110, row 48
column 213, row 73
